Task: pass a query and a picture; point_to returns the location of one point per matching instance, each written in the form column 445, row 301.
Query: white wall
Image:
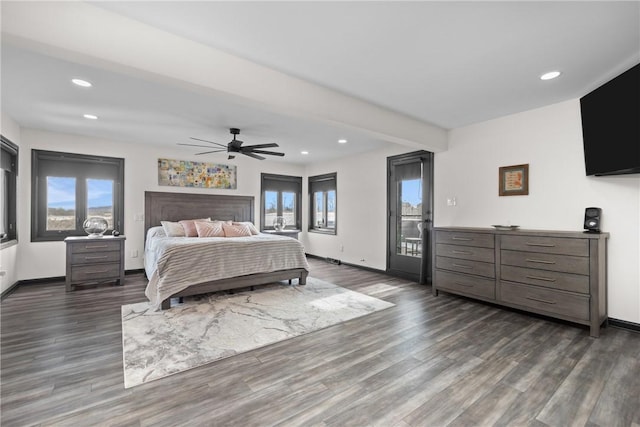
column 361, row 208
column 549, row 139
column 9, row 255
column 47, row 259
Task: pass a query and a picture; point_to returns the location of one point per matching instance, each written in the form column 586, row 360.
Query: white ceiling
column 446, row 63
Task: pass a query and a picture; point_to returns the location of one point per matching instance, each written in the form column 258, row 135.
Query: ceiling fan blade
column 255, row 156
column 271, row 153
column 214, row 151
column 194, row 145
column 210, row 142
column 262, row 145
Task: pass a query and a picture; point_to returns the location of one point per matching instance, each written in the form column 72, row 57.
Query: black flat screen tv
column 611, row 126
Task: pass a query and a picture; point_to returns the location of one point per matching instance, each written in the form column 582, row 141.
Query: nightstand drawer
column 95, row 257
column 549, row 245
column 465, row 239
column 95, row 245
column 542, row 261
column 470, row 285
column 546, row 300
column 466, row 252
column 485, row 269
column 548, row 279
column 95, row 272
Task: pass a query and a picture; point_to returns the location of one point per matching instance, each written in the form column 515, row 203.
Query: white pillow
column 173, row 229
column 157, row 231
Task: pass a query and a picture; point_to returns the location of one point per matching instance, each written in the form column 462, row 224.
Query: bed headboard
column 160, row 206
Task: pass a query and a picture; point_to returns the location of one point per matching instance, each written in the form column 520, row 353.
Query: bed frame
column 161, row 206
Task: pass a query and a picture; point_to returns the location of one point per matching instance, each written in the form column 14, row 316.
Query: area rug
column 203, row 329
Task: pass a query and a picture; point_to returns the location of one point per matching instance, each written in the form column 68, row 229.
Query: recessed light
column 304, row 152
column 550, row 75
column 90, row 116
column 82, row 83
column 342, row 141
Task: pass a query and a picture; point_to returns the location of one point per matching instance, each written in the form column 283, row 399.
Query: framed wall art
column 185, row 173
column 514, row 180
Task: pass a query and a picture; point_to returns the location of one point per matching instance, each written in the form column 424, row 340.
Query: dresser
column 554, row 273
column 94, row 260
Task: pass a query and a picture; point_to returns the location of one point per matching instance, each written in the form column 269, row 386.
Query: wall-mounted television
column 611, row 126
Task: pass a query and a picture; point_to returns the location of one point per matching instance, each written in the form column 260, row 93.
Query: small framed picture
column 514, row 180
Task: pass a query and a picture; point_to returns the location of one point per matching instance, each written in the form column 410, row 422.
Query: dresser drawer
column 460, row 283
column 465, row 239
column 95, row 272
column 543, row 261
column 95, row 245
column 549, row 245
column 466, row 252
column 95, row 257
column 465, row 266
column 549, row 279
column 546, row 300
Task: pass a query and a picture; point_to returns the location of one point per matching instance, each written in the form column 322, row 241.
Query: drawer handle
column 470, row 267
column 462, row 252
column 539, row 261
column 95, row 257
column 463, row 284
column 541, row 300
column 96, row 272
column 544, row 245
column 546, row 279
column 464, row 239
column 96, row 246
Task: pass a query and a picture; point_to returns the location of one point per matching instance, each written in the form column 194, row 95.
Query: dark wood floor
column 428, row 361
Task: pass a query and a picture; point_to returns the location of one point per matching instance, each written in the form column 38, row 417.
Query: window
column 8, row 190
column 68, row 188
column 281, row 196
column 323, row 202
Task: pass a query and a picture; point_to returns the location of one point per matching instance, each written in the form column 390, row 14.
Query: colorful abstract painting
column 185, row 173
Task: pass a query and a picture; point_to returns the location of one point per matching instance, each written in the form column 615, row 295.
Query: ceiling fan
column 235, row 146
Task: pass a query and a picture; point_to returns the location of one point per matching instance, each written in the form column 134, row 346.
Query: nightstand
column 289, row 233
column 94, row 260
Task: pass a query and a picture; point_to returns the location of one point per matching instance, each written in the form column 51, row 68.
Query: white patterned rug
column 215, row 326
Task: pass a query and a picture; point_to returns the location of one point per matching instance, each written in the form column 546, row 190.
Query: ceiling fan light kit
column 235, row 146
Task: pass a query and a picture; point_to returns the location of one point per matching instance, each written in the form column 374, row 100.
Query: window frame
column 11, row 151
column 81, row 167
column 323, row 183
column 280, row 184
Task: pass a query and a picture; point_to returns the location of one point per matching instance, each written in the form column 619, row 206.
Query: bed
column 184, row 266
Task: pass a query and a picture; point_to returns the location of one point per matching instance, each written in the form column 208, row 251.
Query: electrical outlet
column 138, row 217
column 341, row 248
column 134, row 253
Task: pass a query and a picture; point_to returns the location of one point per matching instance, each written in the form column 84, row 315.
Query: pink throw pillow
column 190, row 226
column 209, row 229
column 252, row 228
column 231, row 230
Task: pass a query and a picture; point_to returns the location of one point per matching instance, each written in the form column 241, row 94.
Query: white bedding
column 175, row 263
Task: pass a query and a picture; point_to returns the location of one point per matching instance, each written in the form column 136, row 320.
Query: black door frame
column 426, row 158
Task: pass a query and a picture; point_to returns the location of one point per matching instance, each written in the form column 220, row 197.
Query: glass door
column 409, row 205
